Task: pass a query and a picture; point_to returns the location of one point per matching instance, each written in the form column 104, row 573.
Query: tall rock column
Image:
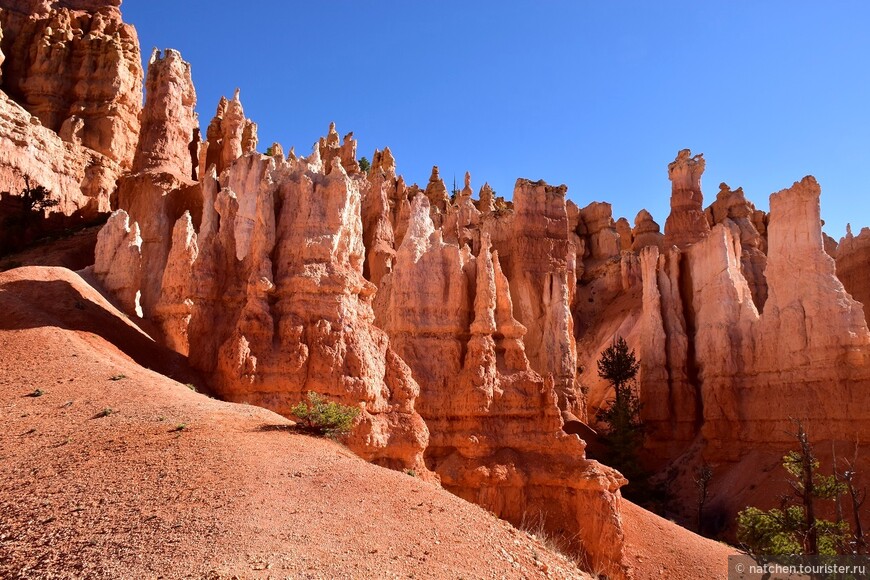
column 686, row 224
column 161, row 188
column 540, row 267
column 496, row 429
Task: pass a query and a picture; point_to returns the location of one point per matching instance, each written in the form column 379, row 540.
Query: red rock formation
column 646, row 232
column 71, row 93
column 161, row 187
column 623, row 229
column 174, row 308
column 754, row 371
column 118, row 264
column 438, row 197
column 733, row 210
column 76, row 66
column 602, row 238
column 853, row 260
column 540, row 264
column 496, row 427
column 377, row 217
column 686, row 224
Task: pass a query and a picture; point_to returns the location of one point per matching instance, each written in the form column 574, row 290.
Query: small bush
column 117, row 377
column 36, row 393
column 191, row 386
column 323, row 417
column 181, row 427
column 105, row 412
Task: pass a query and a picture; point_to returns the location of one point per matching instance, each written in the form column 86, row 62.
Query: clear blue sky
column 597, row 95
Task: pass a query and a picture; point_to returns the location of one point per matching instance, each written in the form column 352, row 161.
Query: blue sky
column 597, row 95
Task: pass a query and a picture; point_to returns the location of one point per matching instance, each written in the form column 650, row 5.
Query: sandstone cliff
column 70, row 95
column 466, row 330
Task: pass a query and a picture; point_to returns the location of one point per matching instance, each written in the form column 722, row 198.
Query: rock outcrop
column 749, row 225
column 752, row 371
column 495, row 423
column 76, row 67
column 69, row 104
column 466, row 331
column 540, row 263
column 161, row 188
column 118, row 264
column 853, row 261
column 646, row 232
column 686, row 224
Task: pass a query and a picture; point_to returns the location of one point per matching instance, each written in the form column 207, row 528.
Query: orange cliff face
column 466, row 330
column 257, row 273
column 70, row 96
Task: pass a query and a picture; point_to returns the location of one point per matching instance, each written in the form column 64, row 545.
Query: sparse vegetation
column 117, row 377
column 411, row 472
column 323, row 417
column 34, row 199
column 104, row 413
column 191, row 386
column 795, row 528
column 181, row 427
column 535, row 526
column 36, row 393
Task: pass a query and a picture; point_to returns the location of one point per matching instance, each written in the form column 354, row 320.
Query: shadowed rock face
column 853, row 258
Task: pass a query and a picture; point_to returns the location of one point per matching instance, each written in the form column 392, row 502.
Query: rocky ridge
column 466, row 330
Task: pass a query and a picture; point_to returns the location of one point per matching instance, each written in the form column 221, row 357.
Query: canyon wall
column 465, row 330
column 277, row 275
column 70, row 96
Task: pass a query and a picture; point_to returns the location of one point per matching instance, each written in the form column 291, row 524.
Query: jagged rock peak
column 685, row 175
column 330, row 147
column 229, row 135
column 384, row 161
column 646, row 232
column 169, row 140
column 487, row 199
column 687, row 223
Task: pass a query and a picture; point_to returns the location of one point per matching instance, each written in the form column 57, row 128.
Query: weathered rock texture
column 70, row 95
column 76, row 67
column 853, row 261
column 686, row 224
column 466, row 331
column 160, row 188
column 264, row 271
column 495, row 423
column 804, row 355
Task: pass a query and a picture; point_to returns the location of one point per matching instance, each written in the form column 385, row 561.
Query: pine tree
column 624, row 431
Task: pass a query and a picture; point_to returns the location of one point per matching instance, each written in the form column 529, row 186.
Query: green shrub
column 323, row 417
